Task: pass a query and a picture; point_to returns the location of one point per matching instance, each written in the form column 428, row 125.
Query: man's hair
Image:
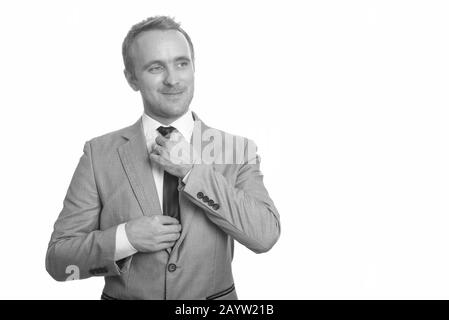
column 152, row 23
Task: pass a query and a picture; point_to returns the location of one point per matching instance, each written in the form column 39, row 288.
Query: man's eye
column 156, row 69
column 183, row 64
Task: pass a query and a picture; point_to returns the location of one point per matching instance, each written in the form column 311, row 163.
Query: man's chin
column 177, row 107
column 169, row 109
column 175, row 110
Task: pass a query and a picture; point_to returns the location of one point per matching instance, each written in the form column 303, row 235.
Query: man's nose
column 171, row 77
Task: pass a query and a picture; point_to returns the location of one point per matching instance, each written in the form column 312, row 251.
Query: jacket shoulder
column 114, row 138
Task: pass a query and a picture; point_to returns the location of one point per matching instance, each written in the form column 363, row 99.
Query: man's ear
column 132, row 81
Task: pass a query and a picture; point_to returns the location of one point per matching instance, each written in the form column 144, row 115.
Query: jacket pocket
column 221, row 293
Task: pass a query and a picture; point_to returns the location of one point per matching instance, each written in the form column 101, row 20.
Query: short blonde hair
column 152, row 23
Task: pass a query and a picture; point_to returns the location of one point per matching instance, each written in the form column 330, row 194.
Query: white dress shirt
column 184, row 125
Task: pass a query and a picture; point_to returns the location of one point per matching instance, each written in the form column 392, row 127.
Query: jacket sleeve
column 78, row 249
column 243, row 210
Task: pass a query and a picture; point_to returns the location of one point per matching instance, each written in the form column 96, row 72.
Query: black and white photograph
column 225, row 150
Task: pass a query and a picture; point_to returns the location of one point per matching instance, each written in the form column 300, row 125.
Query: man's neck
column 183, row 124
column 163, row 120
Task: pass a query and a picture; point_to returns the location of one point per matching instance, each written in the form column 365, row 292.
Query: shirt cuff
column 123, row 248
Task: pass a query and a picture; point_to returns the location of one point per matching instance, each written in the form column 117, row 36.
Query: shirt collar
column 184, row 125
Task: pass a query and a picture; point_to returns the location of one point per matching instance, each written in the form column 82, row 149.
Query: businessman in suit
column 155, row 207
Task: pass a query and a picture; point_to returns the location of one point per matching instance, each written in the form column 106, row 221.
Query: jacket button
column 205, row 198
column 216, row 206
column 210, row 202
column 200, row 195
column 171, row 267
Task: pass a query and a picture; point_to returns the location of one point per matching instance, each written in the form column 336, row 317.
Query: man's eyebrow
column 182, row 58
column 151, row 62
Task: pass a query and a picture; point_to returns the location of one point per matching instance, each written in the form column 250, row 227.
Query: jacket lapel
column 136, row 163
column 187, row 207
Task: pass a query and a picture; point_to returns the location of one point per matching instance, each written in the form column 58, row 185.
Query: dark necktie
column 170, row 198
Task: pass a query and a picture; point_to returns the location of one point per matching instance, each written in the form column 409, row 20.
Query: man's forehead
column 160, row 43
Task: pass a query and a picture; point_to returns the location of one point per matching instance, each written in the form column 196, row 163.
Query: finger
column 167, row 220
column 163, row 162
column 169, row 237
column 164, row 245
column 153, row 147
column 171, row 228
column 158, row 159
column 160, row 140
column 175, row 136
column 157, row 149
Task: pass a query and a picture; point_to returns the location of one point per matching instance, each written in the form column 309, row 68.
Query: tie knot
column 165, row 130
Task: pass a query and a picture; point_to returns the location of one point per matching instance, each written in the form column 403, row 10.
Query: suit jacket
column 113, row 183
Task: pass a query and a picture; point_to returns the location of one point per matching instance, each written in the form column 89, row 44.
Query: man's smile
column 172, row 91
column 172, row 94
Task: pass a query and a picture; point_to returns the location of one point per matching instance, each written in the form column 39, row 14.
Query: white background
column 347, row 101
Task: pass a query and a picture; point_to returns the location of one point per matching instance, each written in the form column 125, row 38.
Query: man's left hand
column 173, row 153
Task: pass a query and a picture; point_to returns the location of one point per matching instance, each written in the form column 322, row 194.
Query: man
column 155, row 207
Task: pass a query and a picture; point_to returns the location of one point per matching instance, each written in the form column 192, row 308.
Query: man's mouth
column 172, row 93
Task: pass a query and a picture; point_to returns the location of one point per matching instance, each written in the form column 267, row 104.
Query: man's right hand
column 154, row 233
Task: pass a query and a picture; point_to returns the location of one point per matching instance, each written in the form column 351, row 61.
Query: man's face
column 164, row 73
